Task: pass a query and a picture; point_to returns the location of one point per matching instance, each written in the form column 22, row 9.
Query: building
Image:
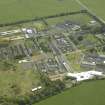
column 85, row 75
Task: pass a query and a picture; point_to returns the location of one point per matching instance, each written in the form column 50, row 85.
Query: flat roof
column 85, row 75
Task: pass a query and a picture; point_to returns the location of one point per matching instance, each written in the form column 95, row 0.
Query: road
column 61, row 57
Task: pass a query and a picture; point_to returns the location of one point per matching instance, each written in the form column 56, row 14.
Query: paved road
column 61, row 57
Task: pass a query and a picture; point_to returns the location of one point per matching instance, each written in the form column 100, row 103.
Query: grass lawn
column 91, row 93
column 13, row 10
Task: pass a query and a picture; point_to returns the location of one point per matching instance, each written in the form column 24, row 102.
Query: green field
column 91, row 93
column 97, row 6
column 14, row 10
column 79, row 18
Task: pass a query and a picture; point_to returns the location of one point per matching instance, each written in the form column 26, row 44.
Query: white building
column 35, row 89
column 85, row 75
column 29, row 32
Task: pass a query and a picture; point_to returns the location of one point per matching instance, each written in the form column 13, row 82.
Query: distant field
column 14, row 10
column 97, row 6
column 91, row 93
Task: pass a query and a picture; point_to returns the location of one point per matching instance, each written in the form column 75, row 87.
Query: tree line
column 42, row 18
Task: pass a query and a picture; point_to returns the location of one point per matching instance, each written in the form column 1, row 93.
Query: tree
column 80, row 38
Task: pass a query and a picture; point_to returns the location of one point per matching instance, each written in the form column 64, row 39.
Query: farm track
column 90, row 11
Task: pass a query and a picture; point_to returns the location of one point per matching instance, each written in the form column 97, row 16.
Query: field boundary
column 91, row 13
column 83, row 11
column 42, row 18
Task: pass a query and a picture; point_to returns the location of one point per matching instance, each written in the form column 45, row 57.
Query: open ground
column 15, row 10
column 91, row 93
column 97, row 6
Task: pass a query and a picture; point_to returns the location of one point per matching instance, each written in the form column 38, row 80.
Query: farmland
column 96, row 6
column 15, row 10
column 91, row 93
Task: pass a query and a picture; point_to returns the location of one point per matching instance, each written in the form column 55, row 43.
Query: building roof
column 85, row 75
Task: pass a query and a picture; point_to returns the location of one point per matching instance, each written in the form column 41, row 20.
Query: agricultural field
column 15, row 10
column 97, row 6
column 91, row 93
